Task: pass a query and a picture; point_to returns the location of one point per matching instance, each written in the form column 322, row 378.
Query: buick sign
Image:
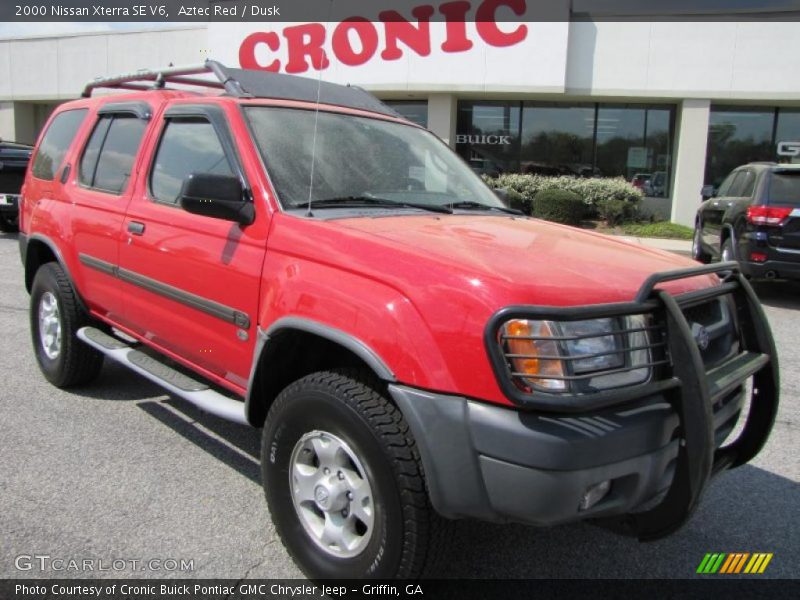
column 487, row 140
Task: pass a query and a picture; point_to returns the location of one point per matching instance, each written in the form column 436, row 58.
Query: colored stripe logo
column 734, row 563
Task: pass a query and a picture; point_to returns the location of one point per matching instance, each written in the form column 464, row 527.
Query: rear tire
column 341, row 421
column 56, row 316
column 697, row 246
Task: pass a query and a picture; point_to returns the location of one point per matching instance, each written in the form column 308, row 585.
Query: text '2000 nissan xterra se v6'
column 294, row 255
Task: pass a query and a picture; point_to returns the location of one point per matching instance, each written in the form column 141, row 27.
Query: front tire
column 344, row 482
column 56, row 316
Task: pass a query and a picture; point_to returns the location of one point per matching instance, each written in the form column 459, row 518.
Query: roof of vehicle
column 246, row 83
column 771, row 166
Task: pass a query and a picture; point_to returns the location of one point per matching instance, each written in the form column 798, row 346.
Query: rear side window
column 727, row 184
column 187, row 146
column 56, row 142
column 784, row 188
column 108, row 159
column 744, row 185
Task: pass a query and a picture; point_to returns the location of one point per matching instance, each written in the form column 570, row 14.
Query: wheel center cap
column 322, row 496
column 330, row 497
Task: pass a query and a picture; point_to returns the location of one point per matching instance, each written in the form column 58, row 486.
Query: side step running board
column 195, row 392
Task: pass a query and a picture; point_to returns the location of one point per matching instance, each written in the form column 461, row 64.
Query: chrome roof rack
column 244, row 83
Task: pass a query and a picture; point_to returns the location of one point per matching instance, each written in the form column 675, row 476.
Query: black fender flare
column 362, row 350
column 24, row 247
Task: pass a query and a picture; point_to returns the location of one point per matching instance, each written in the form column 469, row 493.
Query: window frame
column 214, row 115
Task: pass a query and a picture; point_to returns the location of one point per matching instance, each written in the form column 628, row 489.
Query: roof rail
column 158, row 78
column 243, row 83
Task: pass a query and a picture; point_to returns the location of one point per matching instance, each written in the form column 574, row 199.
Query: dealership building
column 676, row 104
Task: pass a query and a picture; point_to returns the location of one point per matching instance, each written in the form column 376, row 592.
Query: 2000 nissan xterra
column 294, row 255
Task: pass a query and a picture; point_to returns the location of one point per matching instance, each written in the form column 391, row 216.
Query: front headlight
column 592, row 340
column 576, row 356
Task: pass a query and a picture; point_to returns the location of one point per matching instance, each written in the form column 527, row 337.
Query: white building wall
column 57, row 68
column 737, row 61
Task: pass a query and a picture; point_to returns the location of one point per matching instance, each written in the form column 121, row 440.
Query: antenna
column 316, row 116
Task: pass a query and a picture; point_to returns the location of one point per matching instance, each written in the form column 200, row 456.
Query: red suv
column 294, row 255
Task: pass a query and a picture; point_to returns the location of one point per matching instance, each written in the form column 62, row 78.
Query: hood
column 545, row 263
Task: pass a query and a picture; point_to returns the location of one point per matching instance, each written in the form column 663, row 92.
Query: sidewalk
column 683, row 247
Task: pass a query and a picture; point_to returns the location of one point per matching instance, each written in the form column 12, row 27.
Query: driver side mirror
column 216, row 196
column 708, row 191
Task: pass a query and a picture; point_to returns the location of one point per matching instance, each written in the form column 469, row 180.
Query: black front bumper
column 658, row 447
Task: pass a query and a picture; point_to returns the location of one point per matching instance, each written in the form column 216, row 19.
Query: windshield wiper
column 470, row 205
column 371, row 200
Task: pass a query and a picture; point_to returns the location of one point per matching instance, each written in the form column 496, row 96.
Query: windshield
column 361, row 160
column 784, row 188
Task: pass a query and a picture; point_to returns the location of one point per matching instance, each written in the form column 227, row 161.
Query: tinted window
column 55, row 143
column 92, row 151
column 118, row 154
column 186, row 147
column 743, row 186
column 784, row 188
column 727, row 184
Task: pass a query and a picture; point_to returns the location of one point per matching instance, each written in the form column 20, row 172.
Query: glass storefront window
column 787, row 130
column 557, row 139
column 635, row 142
column 737, row 136
column 487, row 136
column 577, row 140
column 415, row 111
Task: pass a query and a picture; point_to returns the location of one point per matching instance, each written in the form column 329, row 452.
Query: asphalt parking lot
column 120, row 470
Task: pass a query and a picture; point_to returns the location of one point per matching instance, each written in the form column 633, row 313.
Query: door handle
column 135, row 227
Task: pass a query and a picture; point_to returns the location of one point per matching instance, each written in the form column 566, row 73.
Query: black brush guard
column 690, row 388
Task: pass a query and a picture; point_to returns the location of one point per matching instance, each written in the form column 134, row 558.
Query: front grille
column 713, row 324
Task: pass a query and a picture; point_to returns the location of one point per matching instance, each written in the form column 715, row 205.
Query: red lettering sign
column 355, row 41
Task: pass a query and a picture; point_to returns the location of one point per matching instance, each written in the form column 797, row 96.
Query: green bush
column 561, row 206
column 591, row 191
column 518, row 201
column 614, row 211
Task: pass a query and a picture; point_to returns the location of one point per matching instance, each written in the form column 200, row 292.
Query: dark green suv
column 754, row 219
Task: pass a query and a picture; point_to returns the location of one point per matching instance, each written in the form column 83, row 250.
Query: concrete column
column 7, row 131
column 690, row 160
column 442, row 117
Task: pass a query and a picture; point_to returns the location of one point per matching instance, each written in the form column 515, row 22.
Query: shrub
column 518, row 201
column 561, row 206
column 614, row 211
column 591, row 191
